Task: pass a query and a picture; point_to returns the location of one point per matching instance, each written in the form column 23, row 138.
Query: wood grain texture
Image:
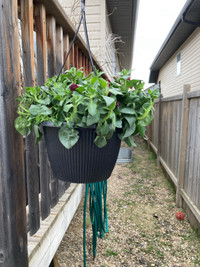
column 83, row 62
column 13, row 239
column 76, row 56
column 65, row 51
column 159, row 126
column 31, row 149
column 183, row 142
column 40, row 25
column 59, row 48
column 72, row 57
column 51, row 46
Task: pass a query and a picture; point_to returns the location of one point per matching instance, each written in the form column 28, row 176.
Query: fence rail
column 34, row 39
column 177, row 125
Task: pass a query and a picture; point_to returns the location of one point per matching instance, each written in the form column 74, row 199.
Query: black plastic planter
column 84, row 162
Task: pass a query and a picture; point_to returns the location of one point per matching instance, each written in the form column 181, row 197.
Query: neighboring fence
column 175, row 136
column 25, row 173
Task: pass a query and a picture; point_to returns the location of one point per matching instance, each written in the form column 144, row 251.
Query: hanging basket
column 84, row 162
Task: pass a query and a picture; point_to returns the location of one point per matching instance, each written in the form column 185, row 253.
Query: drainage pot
column 84, row 162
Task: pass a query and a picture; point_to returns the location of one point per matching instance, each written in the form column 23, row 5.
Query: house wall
column 172, row 84
column 99, row 31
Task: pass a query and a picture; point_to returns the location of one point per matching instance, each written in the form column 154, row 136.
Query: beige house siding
column 111, row 58
column 172, row 84
column 99, row 31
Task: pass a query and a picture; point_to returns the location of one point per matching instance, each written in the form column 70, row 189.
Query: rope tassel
column 98, row 213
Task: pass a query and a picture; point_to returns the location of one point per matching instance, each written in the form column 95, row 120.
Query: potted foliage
column 84, row 120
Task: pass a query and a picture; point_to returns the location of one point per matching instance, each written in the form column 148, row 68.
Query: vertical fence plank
column 149, row 135
column 159, row 126
column 52, row 70
column 71, row 57
column 90, row 67
column 13, row 238
column 86, row 66
column 65, row 51
column 80, row 59
column 83, row 62
column 31, row 149
column 40, row 25
column 61, row 186
column 76, row 56
column 59, row 48
column 51, row 45
column 183, row 145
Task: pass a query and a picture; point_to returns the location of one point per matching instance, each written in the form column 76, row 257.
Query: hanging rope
column 86, row 37
column 98, row 213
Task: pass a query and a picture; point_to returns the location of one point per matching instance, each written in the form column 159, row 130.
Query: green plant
column 73, row 101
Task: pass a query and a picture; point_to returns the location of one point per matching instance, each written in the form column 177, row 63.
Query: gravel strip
column 143, row 229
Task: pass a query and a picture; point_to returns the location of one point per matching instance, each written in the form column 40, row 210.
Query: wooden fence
column 174, row 135
column 25, row 173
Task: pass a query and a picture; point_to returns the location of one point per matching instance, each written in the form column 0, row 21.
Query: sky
column 155, row 20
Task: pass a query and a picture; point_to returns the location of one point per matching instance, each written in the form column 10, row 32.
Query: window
column 178, row 64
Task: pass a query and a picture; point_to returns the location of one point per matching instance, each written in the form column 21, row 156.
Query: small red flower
column 117, row 104
column 180, row 215
column 110, row 93
column 73, row 87
column 109, row 81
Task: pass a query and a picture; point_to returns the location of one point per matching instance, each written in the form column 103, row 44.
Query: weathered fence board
column 40, row 26
column 31, row 149
column 193, row 150
column 65, row 50
column 179, row 151
column 13, row 239
column 183, row 145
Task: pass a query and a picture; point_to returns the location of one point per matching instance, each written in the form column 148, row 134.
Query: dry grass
column 143, row 229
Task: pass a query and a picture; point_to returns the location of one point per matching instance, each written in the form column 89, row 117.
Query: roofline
column 134, row 26
column 153, row 71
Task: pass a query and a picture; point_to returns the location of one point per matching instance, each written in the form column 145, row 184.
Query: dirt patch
column 143, row 229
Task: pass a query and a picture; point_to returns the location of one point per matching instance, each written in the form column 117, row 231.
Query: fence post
column 183, row 145
column 13, row 238
column 159, row 126
column 149, row 135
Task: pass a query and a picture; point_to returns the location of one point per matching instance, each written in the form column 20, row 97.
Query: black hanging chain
column 86, row 37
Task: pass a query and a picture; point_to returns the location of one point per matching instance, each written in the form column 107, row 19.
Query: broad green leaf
column 119, row 123
column 103, row 82
column 108, row 100
column 68, row 136
column 92, row 108
column 100, row 141
column 115, row 91
column 45, row 101
column 128, row 111
column 39, row 109
column 21, row 125
column 129, row 131
column 141, row 130
column 94, row 79
column 38, row 134
column 67, row 107
column 104, row 130
column 129, row 141
column 131, row 120
column 111, row 131
column 93, row 119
